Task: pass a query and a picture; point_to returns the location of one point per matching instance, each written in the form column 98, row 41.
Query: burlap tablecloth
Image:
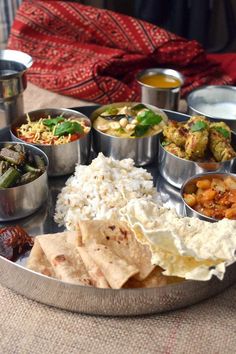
column 27, row 327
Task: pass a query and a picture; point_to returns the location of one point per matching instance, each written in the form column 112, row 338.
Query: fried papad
column 118, row 237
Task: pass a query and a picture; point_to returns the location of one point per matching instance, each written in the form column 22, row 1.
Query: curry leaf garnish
column 148, row 117
column 50, row 122
column 138, row 107
column 68, row 127
column 223, row 131
column 200, row 125
column 111, row 110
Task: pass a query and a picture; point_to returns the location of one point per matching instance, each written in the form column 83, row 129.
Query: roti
column 119, row 238
column 60, row 256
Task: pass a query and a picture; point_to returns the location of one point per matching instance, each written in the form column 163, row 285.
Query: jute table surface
column 29, row 327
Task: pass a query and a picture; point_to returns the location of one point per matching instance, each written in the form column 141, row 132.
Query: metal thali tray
column 108, row 302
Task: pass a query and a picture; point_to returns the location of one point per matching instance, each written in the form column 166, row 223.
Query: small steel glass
column 62, row 158
column 13, row 67
column 19, row 202
column 215, row 102
column 167, row 98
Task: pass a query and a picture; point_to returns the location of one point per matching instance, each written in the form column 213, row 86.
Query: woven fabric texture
column 28, row 327
column 95, row 54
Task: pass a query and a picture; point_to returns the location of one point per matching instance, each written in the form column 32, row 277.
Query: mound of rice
column 100, row 190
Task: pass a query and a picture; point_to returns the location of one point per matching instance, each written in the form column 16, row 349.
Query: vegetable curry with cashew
column 130, row 121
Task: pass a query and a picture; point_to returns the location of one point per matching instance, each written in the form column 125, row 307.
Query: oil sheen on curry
column 130, row 121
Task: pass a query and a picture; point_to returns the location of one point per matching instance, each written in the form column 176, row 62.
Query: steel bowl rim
column 34, row 148
column 197, row 176
column 12, row 126
column 5, row 55
column 210, row 87
column 179, row 76
column 118, row 137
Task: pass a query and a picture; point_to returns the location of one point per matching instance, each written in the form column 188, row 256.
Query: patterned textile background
column 94, row 54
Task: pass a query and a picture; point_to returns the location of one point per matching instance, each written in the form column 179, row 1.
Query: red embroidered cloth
column 94, row 54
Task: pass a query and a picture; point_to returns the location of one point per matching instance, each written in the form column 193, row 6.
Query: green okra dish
column 18, row 166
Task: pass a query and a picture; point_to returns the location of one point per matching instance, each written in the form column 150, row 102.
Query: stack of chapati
column 104, row 254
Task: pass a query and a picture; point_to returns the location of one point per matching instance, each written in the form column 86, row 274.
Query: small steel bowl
column 189, row 211
column 215, row 102
column 142, row 150
column 167, row 98
column 62, row 158
column 19, row 202
column 176, row 170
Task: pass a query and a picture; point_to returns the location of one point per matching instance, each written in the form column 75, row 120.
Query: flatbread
column 97, row 276
column 118, row 237
column 63, row 257
column 38, row 262
column 116, row 270
column 154, row 280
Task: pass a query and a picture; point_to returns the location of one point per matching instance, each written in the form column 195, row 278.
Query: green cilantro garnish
column 140, row 130
column 50, row 122
column 68, row 127
column 200, row 125
column 146, row 120
column 148, row 117
column 223, row 131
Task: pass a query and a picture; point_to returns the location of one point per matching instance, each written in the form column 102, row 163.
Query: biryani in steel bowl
column 59, row 133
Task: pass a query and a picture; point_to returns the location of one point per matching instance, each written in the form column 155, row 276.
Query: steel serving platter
column 108, row 302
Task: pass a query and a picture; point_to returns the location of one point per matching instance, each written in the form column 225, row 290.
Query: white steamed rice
column 100, row 190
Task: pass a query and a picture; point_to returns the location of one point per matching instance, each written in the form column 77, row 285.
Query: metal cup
column 13, row 66
column 167, row 98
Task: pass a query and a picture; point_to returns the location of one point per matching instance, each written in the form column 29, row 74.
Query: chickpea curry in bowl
column 129, row 120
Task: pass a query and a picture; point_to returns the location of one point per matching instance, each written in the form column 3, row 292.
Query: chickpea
column 114, row 125
column 130, row 127
column 123, row 122
column 134, row 121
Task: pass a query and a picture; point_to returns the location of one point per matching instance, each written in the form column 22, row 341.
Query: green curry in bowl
column 130, row 120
